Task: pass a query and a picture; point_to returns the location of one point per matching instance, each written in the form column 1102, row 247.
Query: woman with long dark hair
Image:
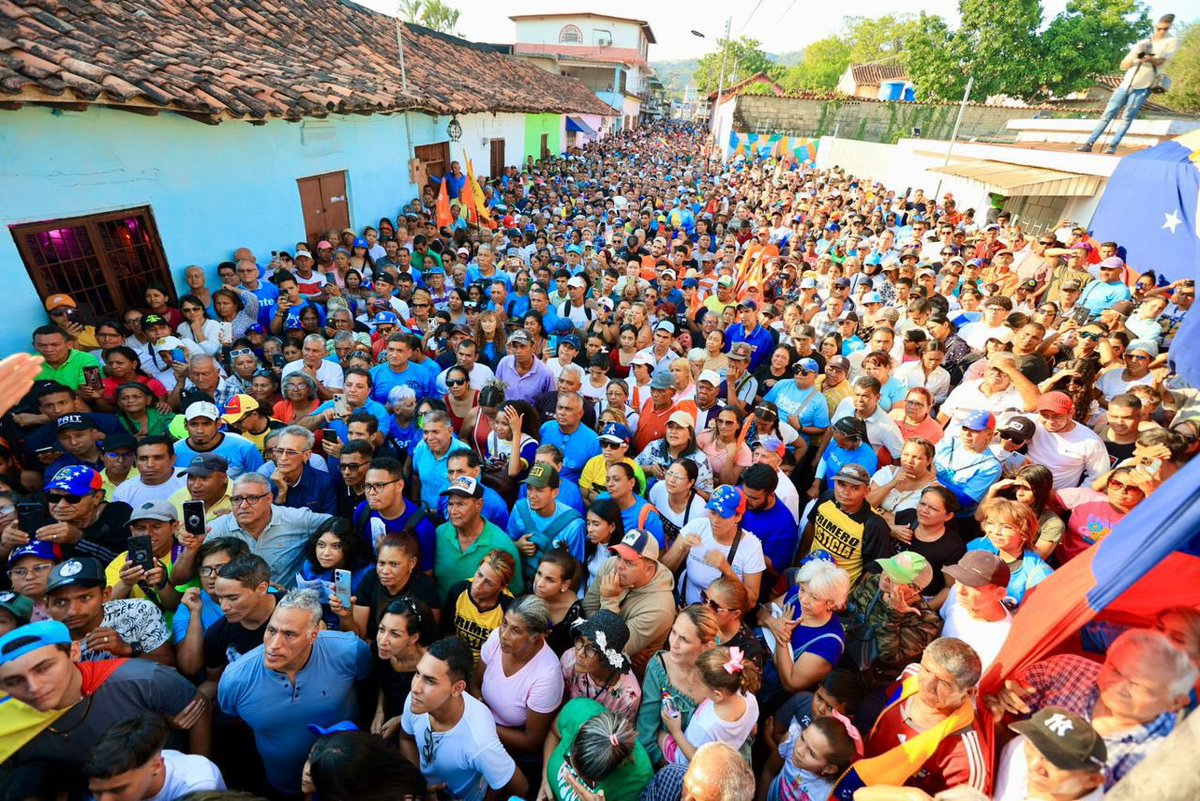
column 605, row 527
column 357, row 766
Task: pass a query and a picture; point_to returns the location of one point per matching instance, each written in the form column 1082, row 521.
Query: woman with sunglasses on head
column 406, row 628
column 729, row 601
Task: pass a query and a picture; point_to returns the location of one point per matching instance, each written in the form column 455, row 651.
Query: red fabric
column 96, row 673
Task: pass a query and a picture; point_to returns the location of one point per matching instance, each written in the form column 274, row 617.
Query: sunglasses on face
column 455, row 382
column 55, row 498
column 1089, row 335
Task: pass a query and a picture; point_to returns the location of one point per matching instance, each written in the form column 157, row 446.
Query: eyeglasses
column 711, row 604
column 456, row 382
column 352, row 466
column 1004, row 435
column 372, row 489
column 247, row 500
column 1090, row 336
column 55, row 498
column 1123, row 487
column 1045, row 242
column 28, row 572
column 115, row 455
column 585, row 648
column 209, row 571
column 288, row 452
column 233, row 354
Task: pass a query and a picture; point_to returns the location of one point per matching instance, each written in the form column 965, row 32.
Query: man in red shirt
column 652, row 422
column 932, row 718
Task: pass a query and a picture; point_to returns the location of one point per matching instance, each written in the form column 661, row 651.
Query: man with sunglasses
column 801, row 404
column 1108, row 289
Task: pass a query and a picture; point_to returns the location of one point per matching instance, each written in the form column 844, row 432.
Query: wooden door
column 324, row 203
column 497, row 158
column 435, row 158
column 545, row 146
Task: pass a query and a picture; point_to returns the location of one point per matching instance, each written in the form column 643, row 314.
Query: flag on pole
column 445, row 219
column 478, row 200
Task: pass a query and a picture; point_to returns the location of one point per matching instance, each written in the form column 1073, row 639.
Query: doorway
column 497, row 158
column 435, row 158
column 323, row 199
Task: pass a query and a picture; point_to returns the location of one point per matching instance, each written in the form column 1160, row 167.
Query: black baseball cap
column 79, row 571
column 1065, row 739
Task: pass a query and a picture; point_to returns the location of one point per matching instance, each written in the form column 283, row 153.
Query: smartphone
column 72, row 315
column 668, row 704
column 341, row 587
column 91, row 377
column 141, row 551
column 193, row 518
column 226, row 333
column 329, row 435
column 1080, row 315
column 30, row 517
column 277, row 360
column 178, row 355
column 340, row 406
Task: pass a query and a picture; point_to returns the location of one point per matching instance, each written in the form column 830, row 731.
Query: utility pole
column 954, row 134
column 721, row 80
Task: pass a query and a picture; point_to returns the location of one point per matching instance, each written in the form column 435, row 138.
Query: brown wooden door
column 435, row 157
column 323, row 200
column 497, row 158
column 545, row 146
column 103, row 261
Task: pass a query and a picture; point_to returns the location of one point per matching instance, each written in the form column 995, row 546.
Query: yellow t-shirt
column 595, row 475
column 221, row 507
column 109, row 487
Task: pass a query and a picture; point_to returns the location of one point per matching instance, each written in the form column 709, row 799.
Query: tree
column 745, row 58
column 932, row 65
column 1090, row 37
column 432, row 14
column 824, row 62
column 1184, row 70
column 877, row 39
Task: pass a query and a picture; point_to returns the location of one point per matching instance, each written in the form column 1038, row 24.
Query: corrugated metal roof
column 1018, row 180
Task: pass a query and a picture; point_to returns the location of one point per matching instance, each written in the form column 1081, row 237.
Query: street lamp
column 712, row 117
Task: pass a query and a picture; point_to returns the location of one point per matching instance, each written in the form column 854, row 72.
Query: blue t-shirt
column 373, row 527
column 242, row 454
column 383, row 378
column 633, row 519
column 571, row 535
column 405, row 439
column 210, row 612
column 808, row 403
column 432, row 472
column 577, row 447
column 778, row 532
column 1033, row 571
column 474, row 276
column 379, row 411
column 892, row 394
column 760, row 339
column 1098, row 296
column 836, row 457
column 568, row 493
column 268, row 297
column 279, row 713
column 827, row 641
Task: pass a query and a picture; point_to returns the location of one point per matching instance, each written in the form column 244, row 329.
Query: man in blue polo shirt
column 577, row 443
column 801, row 403
column 399, row 370
column 357, row 389
column 432, row 455
column 299, row 485
column 203, row 422
column 299, row 676
column 747, row 329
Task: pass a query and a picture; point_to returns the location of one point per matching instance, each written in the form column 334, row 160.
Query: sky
column 781, row 25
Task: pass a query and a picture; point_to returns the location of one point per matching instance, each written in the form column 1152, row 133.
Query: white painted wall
column 478, row 129
column 724, row 123
column 546, row 31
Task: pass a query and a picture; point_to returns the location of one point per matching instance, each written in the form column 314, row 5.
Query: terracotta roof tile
column 258, row 59
column 876, row 73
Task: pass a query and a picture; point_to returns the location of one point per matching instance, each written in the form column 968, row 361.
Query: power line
column 786, row 12
column 753, row 11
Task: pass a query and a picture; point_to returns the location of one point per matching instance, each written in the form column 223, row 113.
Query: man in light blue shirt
column 357, row 389
column 1106, row 290
column 540, row 523
column 965, row 464
column 203, row 423
column 297, row 682
column 431, row 459
column 399, row 370
column 566, row 431
column 801, row 403
column 276, row 533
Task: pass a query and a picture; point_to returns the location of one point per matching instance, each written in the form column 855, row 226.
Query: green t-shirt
column 70, row 373
column 451, row 565
column 624, row 784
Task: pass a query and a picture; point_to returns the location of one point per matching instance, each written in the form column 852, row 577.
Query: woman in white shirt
column 676, row 499
column 198, row 329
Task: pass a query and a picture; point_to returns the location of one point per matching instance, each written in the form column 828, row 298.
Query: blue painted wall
column 211, row 188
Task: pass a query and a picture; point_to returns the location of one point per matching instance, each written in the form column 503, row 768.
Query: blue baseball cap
column 689, row 283
column 979, row 421
column 616, row 433
column 30, row 637
column 292, row 324
column 530, row 228
column 361, row 243
column 38, row 549
column 569, row 339
column 807, row 365
column 385, row 318
column 872, row 297
column 255, row 328
column 75, row 480
column 874, row 260
column 435, row 270
column 335, row 728
column 575, row 249
column 727, row 501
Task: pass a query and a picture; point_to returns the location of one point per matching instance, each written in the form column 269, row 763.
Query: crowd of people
column 684, row 479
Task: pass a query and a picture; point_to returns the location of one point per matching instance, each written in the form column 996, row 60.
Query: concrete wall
column 478, row 131
column 546, row 31
column 877, row 122
column 553, row 125
column 211, row 188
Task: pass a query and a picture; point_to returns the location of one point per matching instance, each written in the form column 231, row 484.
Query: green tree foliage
column 878, row 39
column 1184, row 70
column 432, row 14
column 1001, row 44
column 745, row 58
column 824, row 62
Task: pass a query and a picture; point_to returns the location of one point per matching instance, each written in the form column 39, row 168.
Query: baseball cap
column 574, row 249
column 1111, row 263
column 907, row 567
column 519, row 337
column 1058, row 402
column 665, row 273
column 238, row 407
column 76, row 479
column 725, row 280
column 30, row 637
column 324, row 243
column 577, row 282
column 637, row 545
column 663, row 380
column 569, row 339
column 385, row 318
column 748, row 304
column 152, row 320
column 616, row 433
column 872, row 297
column 162, row 511
column 1065, row 739
column 464, row 487
column 709, row 376
column 808, row 283
column 851, row 426
column 202, row 409
column 542, row 476
column 842, row 283
column 335, row 728
column 39, row 549
column 18, row 606
column 689, row 283
column 807, row 365
column 639, row 358
column 1143, row 345
column 853, row 474
column 741, row 351
column 78, row 571
column 59, row 300
column 979, row 421
column 979, row 569
column 682, row 418
column 204, row 465
column 303, row 254
column 838, row 363
column 74, row 422
column 119, row 439
column 606, row 302
column 727, row 501
column 666, row 325
column 1017, row 428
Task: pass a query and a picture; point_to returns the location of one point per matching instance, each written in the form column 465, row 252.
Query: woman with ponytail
column 592, row 751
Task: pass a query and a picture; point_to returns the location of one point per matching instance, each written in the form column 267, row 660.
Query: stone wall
column 873, row 121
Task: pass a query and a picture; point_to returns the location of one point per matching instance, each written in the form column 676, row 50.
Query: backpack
column 362, row 517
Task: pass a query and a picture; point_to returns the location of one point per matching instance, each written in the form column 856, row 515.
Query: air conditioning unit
column 603, row 41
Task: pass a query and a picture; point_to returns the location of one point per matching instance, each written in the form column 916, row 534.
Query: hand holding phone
column 141, row 552
column 193, row 519
column 341, row 587
column 341, row 407
column 30, row 517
